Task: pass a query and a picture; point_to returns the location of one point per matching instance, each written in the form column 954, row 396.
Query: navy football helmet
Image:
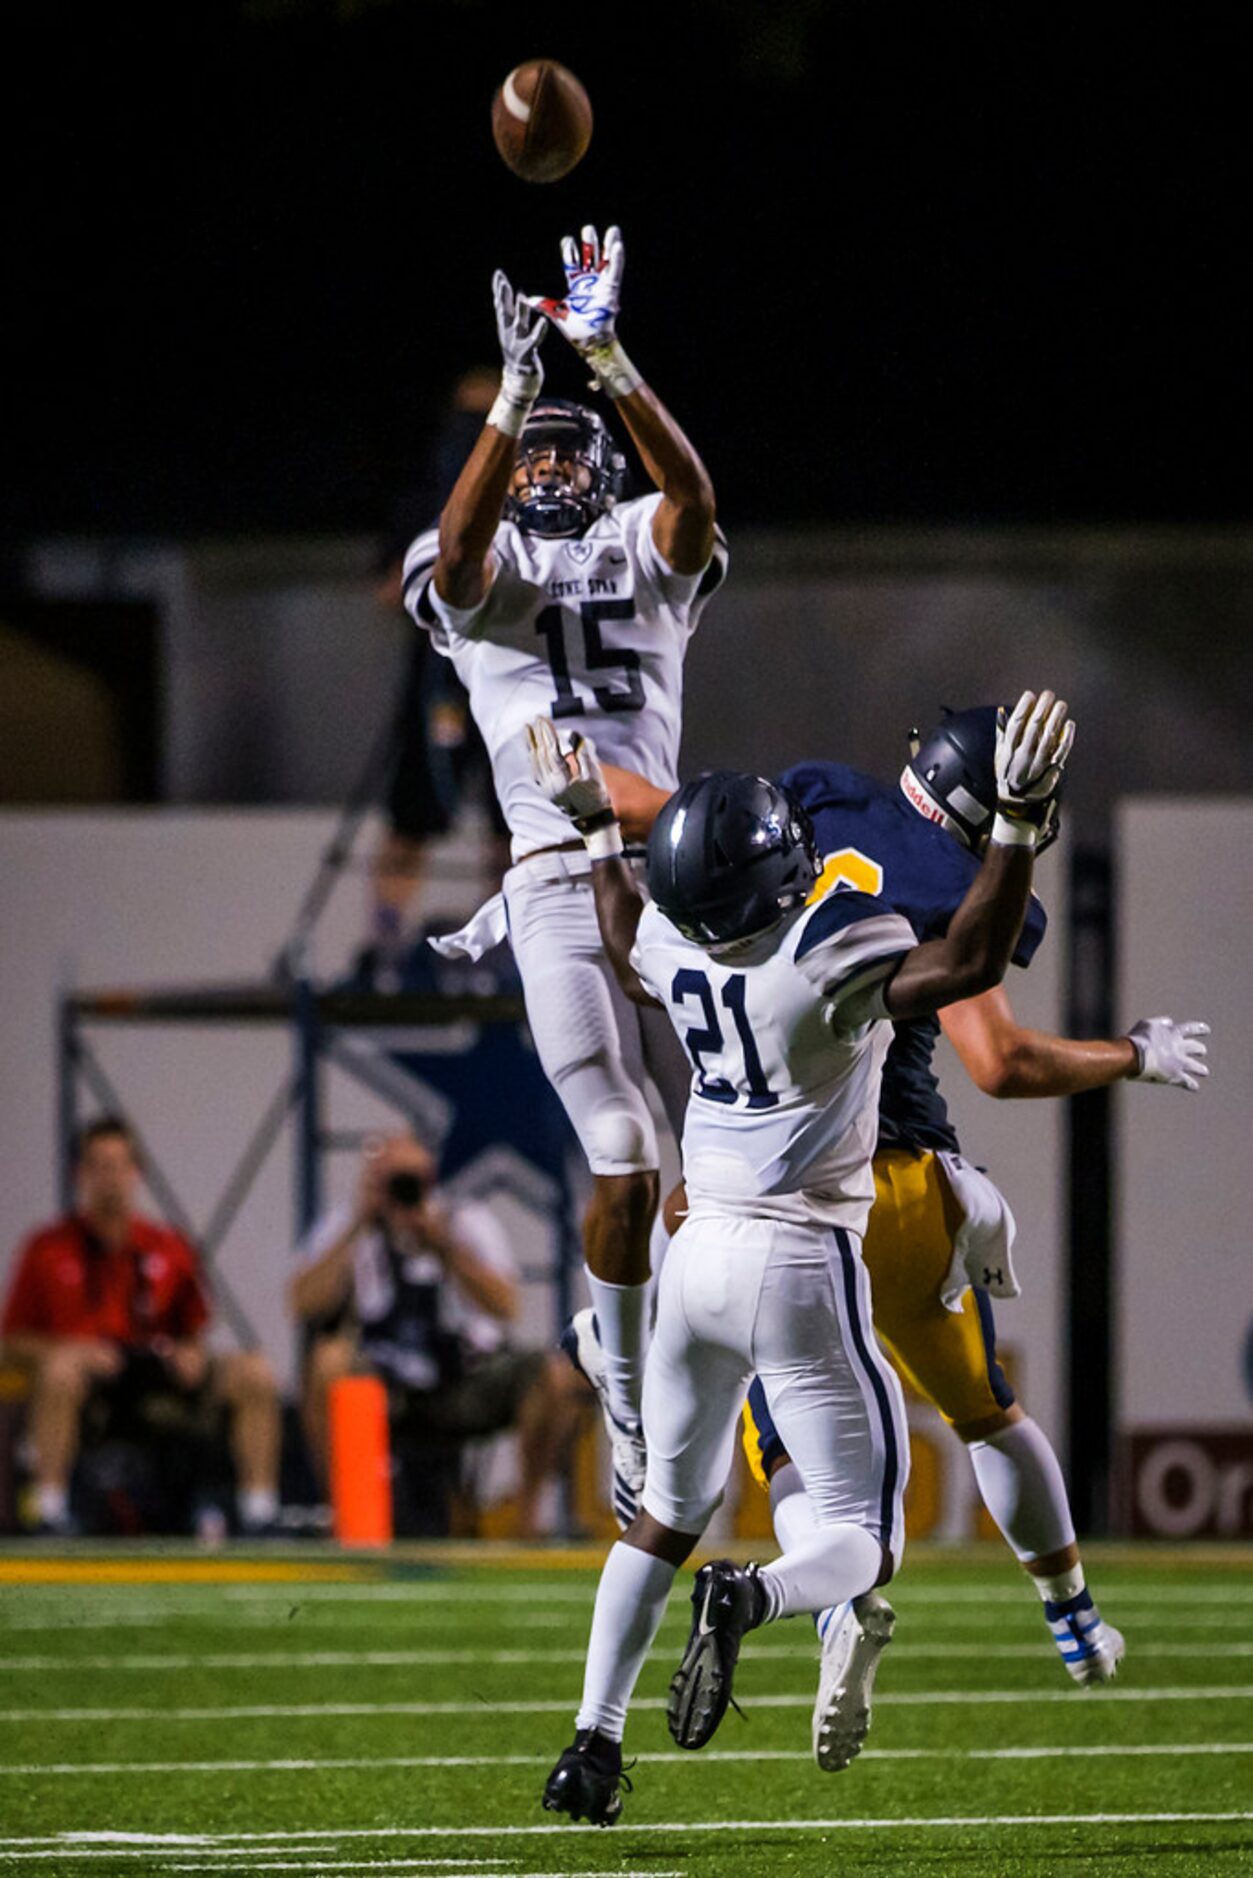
column 951, row 778
column 569, row 470
column 729, row 855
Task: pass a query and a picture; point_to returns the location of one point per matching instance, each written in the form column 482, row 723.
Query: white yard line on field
column 373, row 1762
column 798, row 1652
column 470, row 1591
column 450, row 1868
column 149, row 1845
column 314, row 1711
column 677, row 1618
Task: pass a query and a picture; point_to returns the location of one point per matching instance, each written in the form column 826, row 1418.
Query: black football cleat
column 586, row 1781
column 727, row 1601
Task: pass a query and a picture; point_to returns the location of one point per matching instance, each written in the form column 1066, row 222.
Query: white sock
column 791, row 1510
column 1021, row 1482
column 630, row 1604
column 620, row 1315
column 257, row 1505
column 833, row 1564
column 53, row 1503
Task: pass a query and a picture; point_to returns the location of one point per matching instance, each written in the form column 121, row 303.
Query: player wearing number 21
column 795, row 990
column 553, row 595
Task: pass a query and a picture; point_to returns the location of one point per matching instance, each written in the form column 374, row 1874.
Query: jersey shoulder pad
column 853, row 917
column 849, row 940
column 829, row 785
column 416, row 583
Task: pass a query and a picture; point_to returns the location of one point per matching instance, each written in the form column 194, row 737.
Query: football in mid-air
column 541, row 121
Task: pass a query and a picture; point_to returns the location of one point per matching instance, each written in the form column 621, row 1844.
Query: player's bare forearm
column 1011, row 1062
column 974, row 954
column 619, row 904
column 683, row 528
column 636, row 802
column 471, row 517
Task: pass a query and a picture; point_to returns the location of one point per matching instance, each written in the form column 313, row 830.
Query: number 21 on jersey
column 707, row 1039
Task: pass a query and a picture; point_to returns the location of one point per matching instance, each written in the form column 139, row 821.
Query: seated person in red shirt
column 105, row 1300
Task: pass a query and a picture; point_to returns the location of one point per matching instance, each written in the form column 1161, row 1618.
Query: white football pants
column 596, row 1047
column 791, row 1303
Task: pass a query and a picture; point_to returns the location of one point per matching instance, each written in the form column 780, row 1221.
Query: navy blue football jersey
column 871, row 840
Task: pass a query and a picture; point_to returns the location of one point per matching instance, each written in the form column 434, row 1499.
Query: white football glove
column 573, row 780
column 521, row 334
column 588, row 315
column 1169, row 1052
column 1031, row 752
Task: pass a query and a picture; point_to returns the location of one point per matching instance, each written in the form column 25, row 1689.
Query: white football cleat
column 855, row 1639
column 581, row 1342
column 1090, row 1648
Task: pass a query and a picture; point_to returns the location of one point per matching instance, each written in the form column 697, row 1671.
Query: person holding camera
column 108, row 1309
column 422, row 1293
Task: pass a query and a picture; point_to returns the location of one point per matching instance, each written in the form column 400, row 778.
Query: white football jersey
column 590, row 631
column 784, row 1110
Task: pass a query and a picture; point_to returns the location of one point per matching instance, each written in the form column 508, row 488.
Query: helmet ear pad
column 729, row 855
column 567, row 507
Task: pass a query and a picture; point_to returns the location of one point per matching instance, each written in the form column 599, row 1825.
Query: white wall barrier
column 1185, row 1177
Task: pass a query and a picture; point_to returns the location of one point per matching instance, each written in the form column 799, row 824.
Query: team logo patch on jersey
column 580, row 551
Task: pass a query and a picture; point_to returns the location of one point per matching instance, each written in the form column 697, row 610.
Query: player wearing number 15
column 552, row 595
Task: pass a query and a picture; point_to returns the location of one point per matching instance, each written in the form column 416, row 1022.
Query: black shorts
column 144, row 1395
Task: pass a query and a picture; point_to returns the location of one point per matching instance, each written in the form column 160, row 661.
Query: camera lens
column 404, row 1189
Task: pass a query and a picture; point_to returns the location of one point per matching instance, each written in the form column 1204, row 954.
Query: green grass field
column 404, row 1721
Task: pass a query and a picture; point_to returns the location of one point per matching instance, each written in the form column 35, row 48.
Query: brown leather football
column 541, row 121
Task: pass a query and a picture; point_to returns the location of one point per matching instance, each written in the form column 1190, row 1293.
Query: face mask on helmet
column 728, row 856
column 951, row 778
column 567, row 471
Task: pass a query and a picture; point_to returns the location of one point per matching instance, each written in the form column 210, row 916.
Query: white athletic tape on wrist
column 518, row 392
column 1008, row 832
column 613, row 373
column 508, row 414
column 603, row 843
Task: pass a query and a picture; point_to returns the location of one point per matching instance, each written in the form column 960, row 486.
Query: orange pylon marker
column 361, row 1478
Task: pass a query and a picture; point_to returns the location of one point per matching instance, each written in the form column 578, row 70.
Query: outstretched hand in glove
column 572, row 779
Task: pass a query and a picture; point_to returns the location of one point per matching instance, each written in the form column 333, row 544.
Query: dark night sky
column 985, row 267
